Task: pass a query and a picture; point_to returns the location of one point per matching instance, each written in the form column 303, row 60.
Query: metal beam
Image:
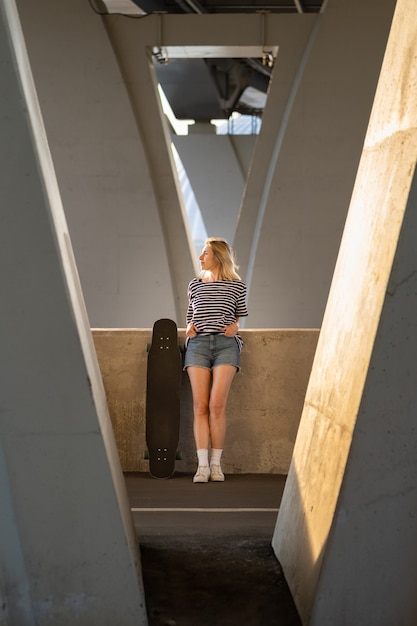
column 240, row 31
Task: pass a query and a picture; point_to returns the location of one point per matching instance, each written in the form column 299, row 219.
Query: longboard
column 163, row 390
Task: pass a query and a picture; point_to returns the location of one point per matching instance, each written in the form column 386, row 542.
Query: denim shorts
column 208, row 351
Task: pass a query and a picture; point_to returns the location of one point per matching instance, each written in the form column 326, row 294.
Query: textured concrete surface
column 59, row 467
column 347, row 532
column 264, row 408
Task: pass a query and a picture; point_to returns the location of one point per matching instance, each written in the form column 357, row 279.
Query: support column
column 68, row 549
column 213, row 166
column 346, row 534
column 101, row 166
column 295, row 39
column 137, row 69
column 305, row 161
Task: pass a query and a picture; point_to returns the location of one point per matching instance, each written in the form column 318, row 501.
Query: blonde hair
column 226, row 257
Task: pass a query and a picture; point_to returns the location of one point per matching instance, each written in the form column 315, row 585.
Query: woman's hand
column 231, row 329
column 191, row 330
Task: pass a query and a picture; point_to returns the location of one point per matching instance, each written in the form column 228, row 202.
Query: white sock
column 202, row 454
column 216, row 455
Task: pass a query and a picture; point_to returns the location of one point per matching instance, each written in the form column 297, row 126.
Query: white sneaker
column 216, row 474
column 202, row 475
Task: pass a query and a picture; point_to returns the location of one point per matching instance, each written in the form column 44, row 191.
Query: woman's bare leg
column 223, row 376
column 200, row 379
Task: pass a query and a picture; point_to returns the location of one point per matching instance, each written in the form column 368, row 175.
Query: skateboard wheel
column 146, row 455
column 178, row 455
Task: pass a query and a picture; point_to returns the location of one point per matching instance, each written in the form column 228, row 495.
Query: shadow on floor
column 228, row 582
column 210, row 568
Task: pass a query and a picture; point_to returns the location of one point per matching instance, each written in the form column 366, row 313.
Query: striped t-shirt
column 213, row 305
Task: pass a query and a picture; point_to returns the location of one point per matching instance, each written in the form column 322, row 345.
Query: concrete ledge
column 264, row 408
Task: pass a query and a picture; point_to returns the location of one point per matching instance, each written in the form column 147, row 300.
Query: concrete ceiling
column 212, row 84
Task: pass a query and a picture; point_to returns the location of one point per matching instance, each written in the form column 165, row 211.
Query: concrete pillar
column 217, row 168
column 68, row 549
column 305, row 161
column 346, row 534
column 135, row 61
column 102, row 166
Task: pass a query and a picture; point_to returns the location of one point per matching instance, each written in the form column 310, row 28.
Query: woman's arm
column 191, row 330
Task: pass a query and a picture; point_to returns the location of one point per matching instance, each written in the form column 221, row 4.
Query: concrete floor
column 206, row 551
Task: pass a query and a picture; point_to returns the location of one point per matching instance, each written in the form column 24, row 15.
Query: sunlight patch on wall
column 195, row 220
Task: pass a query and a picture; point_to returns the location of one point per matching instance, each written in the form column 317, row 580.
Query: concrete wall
column 264, row 408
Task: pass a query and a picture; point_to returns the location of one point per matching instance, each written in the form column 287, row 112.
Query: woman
column 216, row 301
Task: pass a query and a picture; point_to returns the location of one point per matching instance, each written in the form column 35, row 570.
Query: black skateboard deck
column 163, row 389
